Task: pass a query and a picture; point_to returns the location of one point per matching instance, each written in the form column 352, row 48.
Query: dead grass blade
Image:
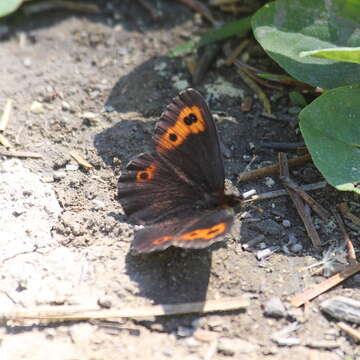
column 80, row 160
column 6, row 115
column 4, row 141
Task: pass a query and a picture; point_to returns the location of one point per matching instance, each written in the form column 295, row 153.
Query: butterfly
column 177, row 191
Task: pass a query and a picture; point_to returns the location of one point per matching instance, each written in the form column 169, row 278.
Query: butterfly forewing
column 186, row 135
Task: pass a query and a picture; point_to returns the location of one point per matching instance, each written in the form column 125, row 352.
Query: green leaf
column 238, row 27
column 286, row 28
column 9, row 6
column 348, row 54
column 331, row 129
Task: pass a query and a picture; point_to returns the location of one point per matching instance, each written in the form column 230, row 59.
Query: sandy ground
column 101, row 82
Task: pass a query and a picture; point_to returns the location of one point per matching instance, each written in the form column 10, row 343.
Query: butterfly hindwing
column 150, row 189
column 197, row 230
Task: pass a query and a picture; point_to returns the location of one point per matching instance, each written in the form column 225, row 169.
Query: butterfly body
column 178, row 190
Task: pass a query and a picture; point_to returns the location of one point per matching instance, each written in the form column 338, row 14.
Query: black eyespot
column 190, row 119
column 193, row 118
column 187, row 120
column 144, row 175
column 173, row 137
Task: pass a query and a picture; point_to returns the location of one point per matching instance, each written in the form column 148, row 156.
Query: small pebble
column 292, row 239
column 58, row 175
column 342, row 308
column 27, row 62
column 65, row 105
column 274, row 308
column 230, row 347
column 296, row 248
column 105, row 302
column 286, row 223
column 47, row 179
column 109, row 108
column 98, row 204
column 37, row 107
column 184, row 331
column 72, row 167
column 269, row 182
column 198, row 323
column 168, row 352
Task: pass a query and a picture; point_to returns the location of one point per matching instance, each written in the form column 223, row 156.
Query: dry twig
column 76, row 313
column 207, row 57
column 345, row 211
column 277, row 193
column 60, row 4
column 233, row 54
column 327, row 284
column 297, row 200
column 355, row 334
column 347, row 241
column 201, row 8
column 272, row 169
column 320, row 210
column 154, row 13
column 281, row 146
column 21, row 154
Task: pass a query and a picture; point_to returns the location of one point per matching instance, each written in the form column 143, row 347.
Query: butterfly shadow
column 172, row 276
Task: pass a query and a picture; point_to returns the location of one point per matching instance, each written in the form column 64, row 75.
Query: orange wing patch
column 205, row 233
column 161, row 239
column 146, row 175
column 199, row 234
column 190, row 121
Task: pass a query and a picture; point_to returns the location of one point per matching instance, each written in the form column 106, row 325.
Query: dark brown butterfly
column 178, row 190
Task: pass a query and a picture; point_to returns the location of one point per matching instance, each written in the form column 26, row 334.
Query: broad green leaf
column 285, row 28
column 348, row 54
column 238, row 27
column 9, row 6
column 331, row 129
